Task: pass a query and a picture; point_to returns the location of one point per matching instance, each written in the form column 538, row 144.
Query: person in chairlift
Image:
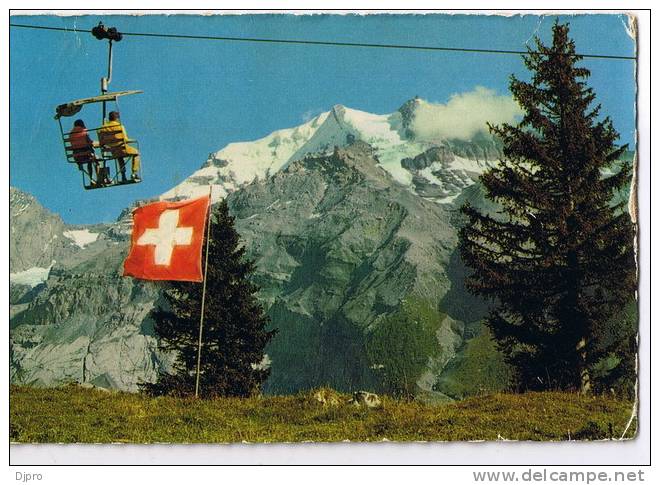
column 83, row 150
column 113, row 137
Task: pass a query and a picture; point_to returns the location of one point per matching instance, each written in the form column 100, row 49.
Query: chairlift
column 102, row 163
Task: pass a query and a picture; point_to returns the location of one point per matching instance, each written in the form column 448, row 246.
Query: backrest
column 78, row 138
column 111, row 134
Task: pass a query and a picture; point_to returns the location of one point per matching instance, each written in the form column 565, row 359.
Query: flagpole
column 201, row 317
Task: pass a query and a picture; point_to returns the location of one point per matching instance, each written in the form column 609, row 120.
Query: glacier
column 241, row 163
column 81, row 237
column 30, row 277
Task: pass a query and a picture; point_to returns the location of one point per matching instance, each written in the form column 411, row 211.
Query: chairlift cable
column 322, row 43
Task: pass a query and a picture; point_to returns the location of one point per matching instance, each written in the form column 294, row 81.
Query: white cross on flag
column 167, row 238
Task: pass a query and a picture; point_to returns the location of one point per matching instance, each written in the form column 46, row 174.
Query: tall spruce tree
column 557, row 259
column 234, row 332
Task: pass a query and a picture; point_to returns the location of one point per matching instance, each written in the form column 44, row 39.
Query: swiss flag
column 167, row 238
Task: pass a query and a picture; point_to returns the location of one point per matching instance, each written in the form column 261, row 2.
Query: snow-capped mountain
column 38, row 240
column 339, row 249
column 407, row 159
column 339, row 215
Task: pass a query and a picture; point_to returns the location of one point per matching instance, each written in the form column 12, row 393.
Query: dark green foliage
column 477, row 369
column 234, row 335
column 400, row 346
column 616, row 371
column 557, row 260
column 590, row 431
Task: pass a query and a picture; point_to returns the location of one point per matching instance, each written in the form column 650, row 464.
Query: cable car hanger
column 101, row 33
column 95, row 159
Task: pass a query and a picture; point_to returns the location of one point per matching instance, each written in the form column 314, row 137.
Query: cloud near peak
column 464, row 115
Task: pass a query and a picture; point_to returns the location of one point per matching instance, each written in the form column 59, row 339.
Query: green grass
column 76, row 415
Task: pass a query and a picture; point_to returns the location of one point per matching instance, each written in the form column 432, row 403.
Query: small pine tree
column 234, row 332
column 557, row 260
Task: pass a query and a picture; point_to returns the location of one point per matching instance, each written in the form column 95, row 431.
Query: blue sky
column 201, row 95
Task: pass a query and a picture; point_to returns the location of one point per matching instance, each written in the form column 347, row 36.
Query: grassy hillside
column 72, row 414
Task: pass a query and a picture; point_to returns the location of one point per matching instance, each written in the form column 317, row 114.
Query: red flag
column 167, row 238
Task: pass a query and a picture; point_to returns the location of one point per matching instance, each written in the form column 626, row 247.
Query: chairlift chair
column 106, row 176
column 102, row 176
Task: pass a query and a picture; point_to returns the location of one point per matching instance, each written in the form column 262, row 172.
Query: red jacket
column 82, row 144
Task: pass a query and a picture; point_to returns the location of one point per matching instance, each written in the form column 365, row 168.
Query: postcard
column 286, row 228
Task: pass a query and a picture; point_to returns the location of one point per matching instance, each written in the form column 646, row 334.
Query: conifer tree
column 557, row 259
column 234, row 332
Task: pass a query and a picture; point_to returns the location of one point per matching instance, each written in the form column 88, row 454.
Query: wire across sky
column 317, row 42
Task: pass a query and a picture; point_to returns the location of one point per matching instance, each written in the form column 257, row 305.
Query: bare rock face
column 86, row 323
column 339, row 246
column 435, row 154
column 35, row 234
column 438, row 175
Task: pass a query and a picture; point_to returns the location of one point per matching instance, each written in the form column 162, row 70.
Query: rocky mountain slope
column 340, row 248
column 38, row 239
column 34, row 234
column 349, row 218
column 81, row 321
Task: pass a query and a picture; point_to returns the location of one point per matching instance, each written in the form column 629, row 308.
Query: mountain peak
column 16, row 195
column 407, row 111
column 339, row 109
column 392, row 137
column 412, row 102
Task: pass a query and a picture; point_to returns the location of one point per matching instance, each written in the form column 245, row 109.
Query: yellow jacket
column 113, row 135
